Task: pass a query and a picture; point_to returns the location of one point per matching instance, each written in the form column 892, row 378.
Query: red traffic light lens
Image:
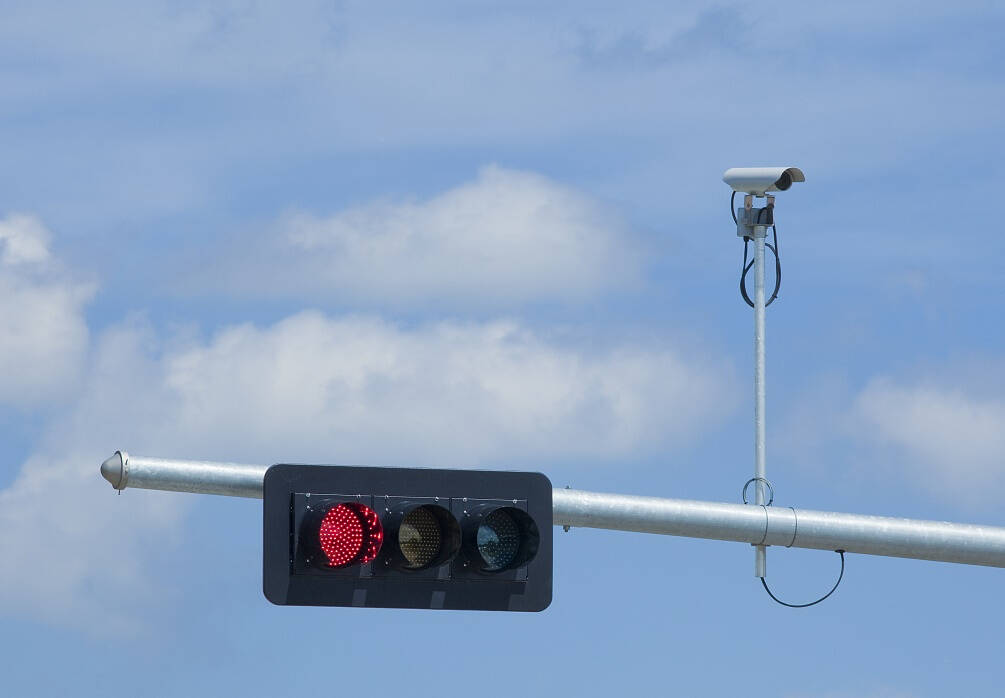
column 350, row 533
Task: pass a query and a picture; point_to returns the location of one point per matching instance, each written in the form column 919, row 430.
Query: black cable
column 811, row 603
column 732, row 209
column 746, row 267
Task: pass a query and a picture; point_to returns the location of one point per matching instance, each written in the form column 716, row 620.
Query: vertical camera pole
column 760, row 231
column 752, row 225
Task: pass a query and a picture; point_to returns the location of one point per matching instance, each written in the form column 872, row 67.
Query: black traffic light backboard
column 407, row 538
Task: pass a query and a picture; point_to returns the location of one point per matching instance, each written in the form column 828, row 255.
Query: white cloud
column 950, row 438
column 506, row 237
column 351, row 90
column 313, row 388
column 41, row 318
column 941, row 430
column 71, row 554
column 25, row 240
column 360, row 389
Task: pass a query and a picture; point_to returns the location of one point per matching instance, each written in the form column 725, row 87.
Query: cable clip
column 771, row 490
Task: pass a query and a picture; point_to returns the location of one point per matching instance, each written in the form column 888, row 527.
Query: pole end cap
column 114, row 470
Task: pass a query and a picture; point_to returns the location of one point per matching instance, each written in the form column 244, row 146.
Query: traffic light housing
column 407, row 538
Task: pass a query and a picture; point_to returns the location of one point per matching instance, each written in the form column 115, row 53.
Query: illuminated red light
column 350, row 534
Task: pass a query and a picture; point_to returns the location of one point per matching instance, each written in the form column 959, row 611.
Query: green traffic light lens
column 419, row 538
column 498, row 540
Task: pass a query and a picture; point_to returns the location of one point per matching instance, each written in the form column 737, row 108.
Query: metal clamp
column 771, row 490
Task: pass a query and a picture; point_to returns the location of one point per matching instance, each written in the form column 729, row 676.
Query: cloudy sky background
column 495, row 235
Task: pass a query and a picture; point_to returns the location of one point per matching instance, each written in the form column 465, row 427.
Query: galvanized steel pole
column 752, row 524
column 760, row 448
column 202, row 477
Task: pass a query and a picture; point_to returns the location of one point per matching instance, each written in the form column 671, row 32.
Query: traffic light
column 407, row 538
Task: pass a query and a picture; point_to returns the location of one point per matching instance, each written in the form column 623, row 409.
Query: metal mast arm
column 756, row 525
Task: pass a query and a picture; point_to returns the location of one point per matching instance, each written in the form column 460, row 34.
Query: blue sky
column 495, row 235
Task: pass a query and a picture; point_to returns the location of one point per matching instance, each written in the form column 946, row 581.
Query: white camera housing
column 760, row 180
